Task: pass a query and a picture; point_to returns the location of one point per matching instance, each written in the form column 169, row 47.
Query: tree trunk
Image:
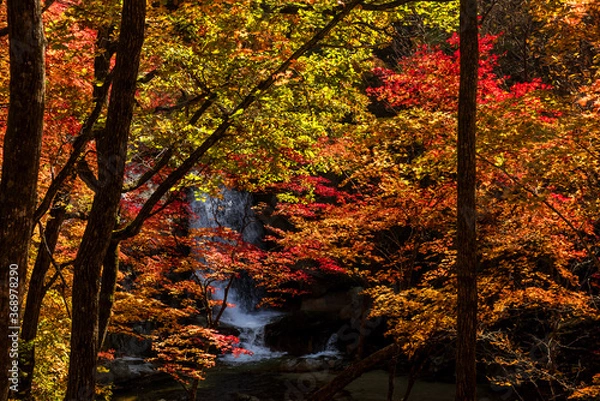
column 466, row 238
column 108, row 285
column 37, row 289
column 20, row 165
column 193, row 390
column 111, row 147
column 415, row 370
column 353, row 372
column 36, row 293
column 392, row 377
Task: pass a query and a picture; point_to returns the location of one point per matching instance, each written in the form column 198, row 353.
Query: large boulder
column 331, row 304
column 308, row 329
column 301, row 332
column 125, row 369
column 343, row 305
column 132, row 345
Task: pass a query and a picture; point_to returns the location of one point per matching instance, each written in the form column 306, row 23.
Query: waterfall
column 331, row 349
column 251, row 325
column 234, row 210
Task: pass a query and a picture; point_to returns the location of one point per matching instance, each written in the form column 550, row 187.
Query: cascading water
column 234, row 210
column 251, row 325
column 331, row 349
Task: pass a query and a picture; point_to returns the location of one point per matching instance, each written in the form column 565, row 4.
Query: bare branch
column 183, row 102
column 207, row 103
column 148, row 77
column 79, row 144
column 87, row 176
column 57, row 267
column 394, row 4
column 164, row 159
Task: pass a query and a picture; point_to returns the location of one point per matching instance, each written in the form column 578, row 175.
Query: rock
column 354, row 308
column 301, row 333
column 126, row 344
column 307, row 330
column 328, row 303
column 229, row 330
column 344, row 305
column 302, row 365
column 125, row 369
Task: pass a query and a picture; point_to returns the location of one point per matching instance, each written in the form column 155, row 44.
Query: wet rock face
column 129, row 345
column 308, row 329
column 333, row 303
column 130, row 353
column 343, row 305
column 301, row 333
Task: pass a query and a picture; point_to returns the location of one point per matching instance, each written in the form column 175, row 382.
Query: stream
column 265, row 374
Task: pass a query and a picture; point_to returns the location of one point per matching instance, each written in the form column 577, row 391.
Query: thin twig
column 56, row 266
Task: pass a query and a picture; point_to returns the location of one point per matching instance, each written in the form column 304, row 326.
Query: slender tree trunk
column 193, row 390
column 466, row 239
column 409, row 386
column 20, row 165
column 36, row 292
column 392, row 377
column 111, row 147
column 213, row 323
column 362, row 332
column 108, row 286
column 37, row 289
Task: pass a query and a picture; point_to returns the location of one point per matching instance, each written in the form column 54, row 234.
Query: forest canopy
column 339, row 120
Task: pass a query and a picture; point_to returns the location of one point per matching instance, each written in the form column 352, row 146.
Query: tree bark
column 36, row 293
column 108, row 286
column 111, row 148
column 392, row 377
column 466, row 237
column 353, row 372
column 37, row 288
column 20, row 166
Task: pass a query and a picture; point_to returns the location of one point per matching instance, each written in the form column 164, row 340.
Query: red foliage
column 429, row 79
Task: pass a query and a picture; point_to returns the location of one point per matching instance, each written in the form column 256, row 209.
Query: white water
column 234, row 211
column 331, row 350
column 251, row 325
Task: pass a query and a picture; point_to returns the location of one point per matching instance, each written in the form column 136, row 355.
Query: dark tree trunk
column 37, row 288
column 20, row 164
column 36, row 293
column 111, row 147
column 353, row 372
column 466, row 239
column 108, row 285
column 409, row 386
column 392, row 377
column 193, row 390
